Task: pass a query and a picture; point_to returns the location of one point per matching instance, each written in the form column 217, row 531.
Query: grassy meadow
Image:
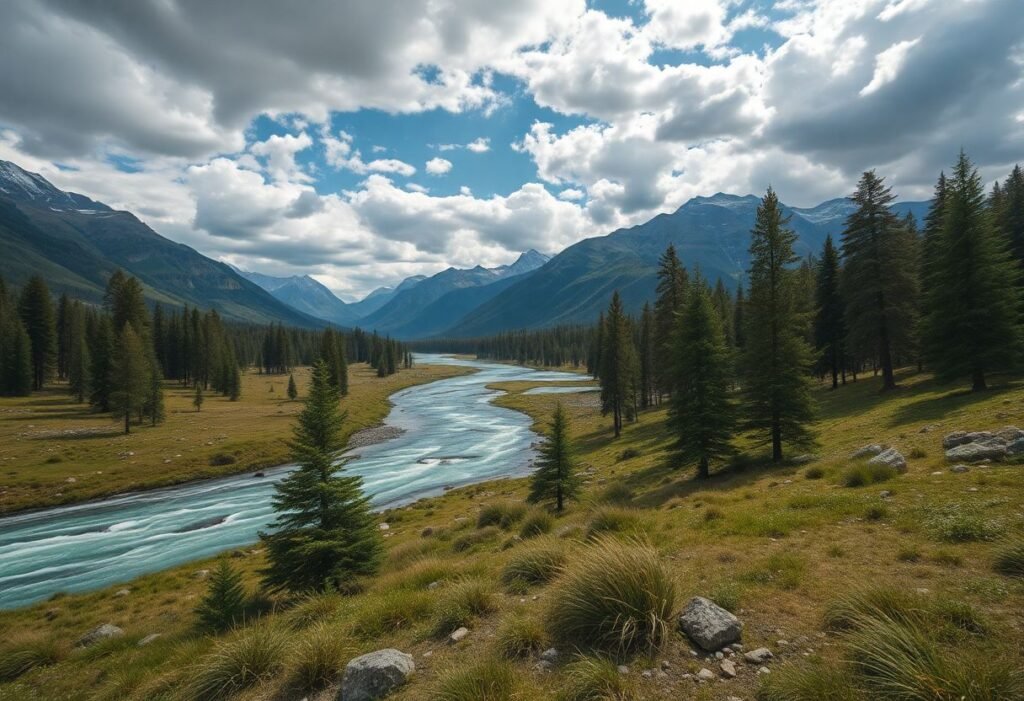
column 863, row 584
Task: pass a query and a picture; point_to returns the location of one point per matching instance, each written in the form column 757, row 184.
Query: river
column 452, row 435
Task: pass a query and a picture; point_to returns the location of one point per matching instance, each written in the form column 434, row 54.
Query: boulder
column 99, row 634
column 957, row 438
column 758, row 656
column 375, row 675
column 869, row 450
column 709, row 625
column 975, row 451
column 728, row 668
column 1016, row 447
column 891, row 458
column 1010, row 434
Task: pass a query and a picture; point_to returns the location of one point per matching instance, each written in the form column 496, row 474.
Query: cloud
column 280, row 150
column 338, row 152
column 480, row 145
column 571, row 194
column 438, row 166
column 888, row 64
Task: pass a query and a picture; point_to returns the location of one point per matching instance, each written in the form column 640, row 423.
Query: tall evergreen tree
column 879, row 276
column 16, row 377
column 126, row 303
column 738, row 321
column 293, row 391
column 1012, row 219
column 198, row 398
column 79, row 364
column 671, row 290
column 555, row 479
column 36, row 310
column 129, row 376
column 325, row 533
column 618, row 364
column 154, row 402
column 647, row 356
column 829, row 321
column 223, row 606
column 702, row 415
column 972, row 327
column 101, row 348
column 63, row 335
column 778, row 401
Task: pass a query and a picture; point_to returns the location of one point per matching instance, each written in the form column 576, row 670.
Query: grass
column 615, row 596
column 391, row 611
column 22, row 656
column 617, row 520
column 536, row 563
column 461, row 603
column 596, row 679
column 865, row 474
column 1010, row 560
column 521, row 636
column 491, row 679
column 537, row 522
column 808, row 682
column 503, row 514
column 316, row 656
column 960, row 523
column 247, row 658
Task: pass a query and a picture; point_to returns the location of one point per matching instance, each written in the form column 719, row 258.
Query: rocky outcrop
column 975, row 446
column 869, row 450
column 709, row 625
column 99, row 634
column 890, row 458
column 375, row 675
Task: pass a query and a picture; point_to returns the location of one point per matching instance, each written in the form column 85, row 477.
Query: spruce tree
column 126, row 303
column 223, row 606
column 101, row 348
column 1012, row 219
column 325, row 533
column 972, row 324
column 129, row 376
column 618, row 364
column 702, row 415
column 198, row 398
column 555, row 479
column 79, row 363
column 293, row 391
column 777, row 392
column 154, row 404
column 829, row 321
column 16, row 377
column 671, row 289
column 879, row 276
column 646, row 356
column 36, row 311
column 63, row 335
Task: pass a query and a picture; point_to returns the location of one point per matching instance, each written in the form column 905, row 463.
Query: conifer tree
column 63, row 335
column 79, row 364
column 293, row 391
column 738, row 321
column 829, row 322
column 723, row 304
column 618, row 364
column 671, row 289
column 36, row 311
column 1012, row 216
column 646, row 355
column 972, row 325
column 555, row 479
column 198, row 398
column 126, row 303
column 101, row 348
column 16, row 376
column 154, row 404
column 223, row 606
column 129, row 376
column 777, row 393
column 343, row 366
column 702, row 414
column 879, row 276
column 324, row 534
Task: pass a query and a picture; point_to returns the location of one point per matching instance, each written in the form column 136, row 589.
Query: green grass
column 865, row 475
column 617, row 520
column 488, row 680
column 317, row 655
column 536, row 563
column 461, row 603
column 250, row 656
column 521, row 636
column 19, row 657
column 596, row 679
column 503, row 514
column 809, row 682
column 537, row 522
column 1010, row 560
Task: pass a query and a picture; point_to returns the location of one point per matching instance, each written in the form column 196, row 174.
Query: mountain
column 712, row 233
column 76, row 244
column 382, row 295
column 305, row 294
column 442, row 299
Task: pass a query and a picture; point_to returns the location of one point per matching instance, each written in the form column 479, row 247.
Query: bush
column 875, row 512
column 503, row 514
column 21, row 657
column 537, row 563
column 610, row 519
column 614, row 596
column 521, row 636
column 317, row 656
column 537, row 522
column 488, row 680
column 1010, row 560
column 390, row 611
column 248, row 657
column 590, row 679
column 807, row 682
column 461, row 603
column 863, row 475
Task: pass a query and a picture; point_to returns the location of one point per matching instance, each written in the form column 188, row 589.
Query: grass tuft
column 1010, row 560
column 488, row 680
column 864, row 475
column 537, row 563
column 537, row 522
column 20, row 657
column 808, row 682
column 317, row 656
column 248, row 657
column 462, row 602
column 390, row 611
column 612, row 519
column 503, row 514
column 520, row 636
column 596, row 679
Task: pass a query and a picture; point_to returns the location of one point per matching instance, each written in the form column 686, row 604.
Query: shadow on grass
column 937, row 406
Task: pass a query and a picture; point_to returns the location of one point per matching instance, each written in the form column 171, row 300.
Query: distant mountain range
column 76, row 243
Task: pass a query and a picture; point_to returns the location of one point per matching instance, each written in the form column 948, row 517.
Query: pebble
column 728, row 669
column 758, row 656
column 705, row 674
column 623, row 669
column 458, row 635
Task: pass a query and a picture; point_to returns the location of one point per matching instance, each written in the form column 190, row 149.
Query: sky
column 364, row 142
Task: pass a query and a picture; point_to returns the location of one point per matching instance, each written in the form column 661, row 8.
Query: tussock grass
column 503, row 514
column 783, row 570
column 316, row 656
column 616, row 493
column 467, row 541
column 537, row 563
column 520, row 636
column 389, row 611
column 612, row 519
column 490, row 679
column 420, row 574
column 313, row 608
column 21, row 656
column 614, row 596
column 865, row 474
column 462, row 602
column 814, row 473
column 596, row 679
column 1010, row 560
column 537, row 522
column 249, row 656
column 808, row 682
column 851, row 609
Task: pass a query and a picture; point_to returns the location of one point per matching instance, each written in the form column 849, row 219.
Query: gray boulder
column 709, row 625
column 870, row 450
column 99, row 634
column 375, row 675
column 1016, row 447
column 975, row 451
column 891, row 458
column 1010, row 434
column 958, row 438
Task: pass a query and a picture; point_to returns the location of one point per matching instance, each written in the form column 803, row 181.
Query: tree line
column 554, row 347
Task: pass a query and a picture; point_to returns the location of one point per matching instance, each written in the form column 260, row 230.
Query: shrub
column 487, row 680
column 610, row 519
column 614, row 596
column 1010, row 560
column 863, row 475
column 535, row 564
column 537, row 522
column 807, row 682
column 224, row 603
column 461, row 603
column 596, row 679
column 390, row 611
column 248, row 657
column 521, row 636
column 835, row 551
column 503, row 514
column 814, row 473
column 23, row 656
column 317, row 656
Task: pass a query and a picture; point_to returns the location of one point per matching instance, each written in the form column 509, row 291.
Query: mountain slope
column 77, row 244
column 712, row 233
column 305, row 294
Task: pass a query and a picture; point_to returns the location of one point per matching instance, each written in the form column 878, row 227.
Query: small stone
column 433, row 585
column 550, row 655
column 647, row 674
column 122, row 592
column 782, row 643
column 885, row 494
column 758, row 656
column 623, row 669
column 728, row 668
column 148, row 639
column 705, row 675
column 666, row 665
column 960, row 469
column 201, row 574
column 764, row 670
column 543, row 666
column 384, row 526
column 70, row 480
column 458, row 635
column 709, row 625
column 719, row 655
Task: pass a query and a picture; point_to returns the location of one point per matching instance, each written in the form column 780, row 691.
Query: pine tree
column 325, row 533
column 223, row 606
column 79, row 363
column 618, row 364
column 738, row 322
column 129, row 376
column 879, row 276
column 829, row 322
column 671, row 290
column 154, row 404
column 723, row 304
column 101, row 347
column 16, row 377
column 198, row 398
column 778, row 401
column 343, row 366
column 556, row 479
column 234, row 381
column 972, row 325
column 293, row 391
column 126, row 303
column 36, row 311
column 1012, row 219
column 646, row 353
column 702, row 415
column 63, row 335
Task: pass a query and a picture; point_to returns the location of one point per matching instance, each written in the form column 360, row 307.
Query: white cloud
column 888, row 64
column 338, row 152
column 571, row 194
column 280, row 150
column 438, row 166
column 480, row 145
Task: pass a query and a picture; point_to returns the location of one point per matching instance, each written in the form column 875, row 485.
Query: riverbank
column 54, row 452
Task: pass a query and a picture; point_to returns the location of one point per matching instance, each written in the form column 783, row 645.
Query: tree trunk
column 702, row 469
column 127, row 426
column 776, row 439
column 978, row 380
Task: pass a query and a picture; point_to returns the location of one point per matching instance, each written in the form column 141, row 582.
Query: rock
column 763, row 670
column 544, row 666
column 433, row 585
column 1010, row 434
column 952, row 440
column 758, row 656
column 122, row 592
column 869, row 450
column 384, row 526
column 550, row 655
column 1016, row 447
column 728, row 668
column 665, row 665
column 891, row 458
column 709, row 625
column 201, row 574
column 458, row 635
column 375, row 675
column 961, row 468
column 804, row 459
column 719, row 655
column 623, row 669
column 885, row 494
column 705, row 675
column 987, row 449
column 148, row 639
column 99, row 634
